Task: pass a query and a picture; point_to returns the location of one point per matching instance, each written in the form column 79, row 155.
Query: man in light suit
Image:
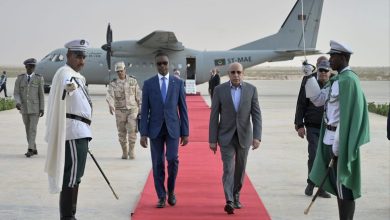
column 234, row 104
column 29, row 98
column 164, row 120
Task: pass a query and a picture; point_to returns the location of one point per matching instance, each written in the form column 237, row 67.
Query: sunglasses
column 162, row 63
column 234, row 72
column 323, row 70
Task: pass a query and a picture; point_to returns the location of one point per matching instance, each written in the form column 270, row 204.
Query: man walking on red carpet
column 164, row 120
column 233, row 104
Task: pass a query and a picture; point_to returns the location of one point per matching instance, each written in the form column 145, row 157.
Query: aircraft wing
column 299, row 52
column 161, row 40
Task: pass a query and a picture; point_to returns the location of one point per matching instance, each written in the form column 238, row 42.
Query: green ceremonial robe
column 353, row 133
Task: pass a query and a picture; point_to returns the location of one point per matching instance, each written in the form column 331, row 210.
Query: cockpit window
column 54, row 57
column 48, row 57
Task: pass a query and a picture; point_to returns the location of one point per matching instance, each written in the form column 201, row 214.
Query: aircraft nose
column 38, row 68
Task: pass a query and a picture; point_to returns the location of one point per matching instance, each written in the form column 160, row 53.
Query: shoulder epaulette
column 132, row 76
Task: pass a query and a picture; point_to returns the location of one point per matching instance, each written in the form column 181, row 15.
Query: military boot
column 124, row 151
column 131, row 151
column 346, row 209
column 74, row 199
column 66, row 209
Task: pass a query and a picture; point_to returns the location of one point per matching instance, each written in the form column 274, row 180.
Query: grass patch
column 6, row 104
column 380, row 109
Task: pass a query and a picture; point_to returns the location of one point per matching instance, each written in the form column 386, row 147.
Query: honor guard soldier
column 344, row 129
column 29, row 98
column 124, row 99
column 68, row 131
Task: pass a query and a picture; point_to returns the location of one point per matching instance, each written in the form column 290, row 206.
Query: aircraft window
column 54, row 58
column 48, row 57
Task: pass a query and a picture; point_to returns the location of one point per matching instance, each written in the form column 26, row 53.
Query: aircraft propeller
column 107, row 46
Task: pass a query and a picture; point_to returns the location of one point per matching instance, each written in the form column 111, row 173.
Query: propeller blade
column 108, row 59
column 107, row 46
column 109, row 34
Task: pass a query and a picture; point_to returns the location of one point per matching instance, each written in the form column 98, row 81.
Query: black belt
column 331, row 128
column 76, row 117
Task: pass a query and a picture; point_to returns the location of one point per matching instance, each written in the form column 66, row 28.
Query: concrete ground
column 277, row 170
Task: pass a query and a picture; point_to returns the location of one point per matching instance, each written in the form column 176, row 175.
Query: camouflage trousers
column 126, row 123
column 30, row 124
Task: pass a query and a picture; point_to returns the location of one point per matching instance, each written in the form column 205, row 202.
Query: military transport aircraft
column 296, row 37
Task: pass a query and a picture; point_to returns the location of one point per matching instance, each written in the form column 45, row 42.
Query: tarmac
column 277, row 169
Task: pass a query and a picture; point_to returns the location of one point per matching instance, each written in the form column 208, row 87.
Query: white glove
column 307, row 69
column 70, row 86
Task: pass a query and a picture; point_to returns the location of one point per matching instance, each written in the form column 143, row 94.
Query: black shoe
column 324, row 194
column 237, row 203
column 35, row 152
column 29, row 153
column 309, row 189
column 171, row 199
column 161, row 203
column 229, row 209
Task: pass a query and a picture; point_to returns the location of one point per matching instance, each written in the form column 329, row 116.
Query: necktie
column 163, row 89
column 28, row 78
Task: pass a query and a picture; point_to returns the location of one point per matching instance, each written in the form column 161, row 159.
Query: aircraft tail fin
column 290, row 36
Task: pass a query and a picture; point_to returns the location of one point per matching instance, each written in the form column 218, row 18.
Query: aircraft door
column 190, row 75
column 191, row 68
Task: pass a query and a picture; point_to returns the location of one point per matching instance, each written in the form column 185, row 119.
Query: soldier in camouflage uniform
column 124, row 99
column 29, row 98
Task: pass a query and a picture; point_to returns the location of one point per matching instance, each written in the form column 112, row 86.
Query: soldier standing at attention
column 68, row 129
column 124, row 99
column 29, row 98
column 345, row 128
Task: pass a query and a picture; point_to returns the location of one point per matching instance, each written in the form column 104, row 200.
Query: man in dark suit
column 164, row 120
column 214, row 81
column 234, row 104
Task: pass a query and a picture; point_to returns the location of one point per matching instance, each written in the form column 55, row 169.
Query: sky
column 34, row 28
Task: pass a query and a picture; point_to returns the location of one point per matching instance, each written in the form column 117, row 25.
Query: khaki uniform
column 125, row 97
column 29, row 93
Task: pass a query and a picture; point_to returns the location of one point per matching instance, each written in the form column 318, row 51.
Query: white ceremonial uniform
column 77, row 104
column 332, row 110
column 60, row 128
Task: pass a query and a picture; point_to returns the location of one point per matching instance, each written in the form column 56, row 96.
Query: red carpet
column 199, row 190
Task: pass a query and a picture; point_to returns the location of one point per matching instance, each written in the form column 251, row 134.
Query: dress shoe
column 29, row 153
column 309, row 189
column 237, row 204
column 229, row 209
column 171, row 199
column 161, row 203
column 323, row 194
